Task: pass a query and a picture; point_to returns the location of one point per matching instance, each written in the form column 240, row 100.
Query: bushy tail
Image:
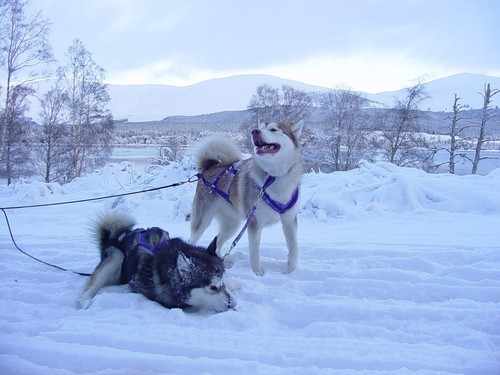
column 214, row 151
column 109, row 226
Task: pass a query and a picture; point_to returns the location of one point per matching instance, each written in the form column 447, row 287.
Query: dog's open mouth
column 262, row 147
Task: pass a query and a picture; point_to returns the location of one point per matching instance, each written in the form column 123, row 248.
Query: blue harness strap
column 278, row 207
column 136, row 242
column 214, row 186
column 152, row 240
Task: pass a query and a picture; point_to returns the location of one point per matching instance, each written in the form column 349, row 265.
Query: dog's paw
column 259, row 271
column 290, row 267
column 83, row 303
column 232, row 284
column 231, row 259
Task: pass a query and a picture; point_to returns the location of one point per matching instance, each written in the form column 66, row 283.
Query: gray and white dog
column 229, row 187
column 166, row 270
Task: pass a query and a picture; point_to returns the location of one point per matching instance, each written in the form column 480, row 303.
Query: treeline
column 75, row 128
column 351, row 133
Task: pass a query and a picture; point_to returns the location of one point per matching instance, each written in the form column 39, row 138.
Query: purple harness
column 145, row 239
column 214, row 186
column 278, row 207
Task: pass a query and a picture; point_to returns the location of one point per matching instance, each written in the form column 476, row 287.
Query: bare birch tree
column 346, row 130
column 265, row 104
column 486, row 116
column 457, row 133
column 285, row 104
column 295, row 104
column 401, row 142
column 16, row 152
column 23, row 47
column 53, row 148
column 457, row 138
column 89, row 120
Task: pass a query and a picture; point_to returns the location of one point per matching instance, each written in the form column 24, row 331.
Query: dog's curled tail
column 110, row 226
column 214, row 151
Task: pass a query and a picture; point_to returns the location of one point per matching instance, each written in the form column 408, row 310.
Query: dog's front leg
column 289, row 225
column 254, row 233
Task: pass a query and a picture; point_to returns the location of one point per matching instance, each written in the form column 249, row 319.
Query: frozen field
column 399, row 274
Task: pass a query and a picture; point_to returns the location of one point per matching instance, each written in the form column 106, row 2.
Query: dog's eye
column 274, row 130
column 214, row 288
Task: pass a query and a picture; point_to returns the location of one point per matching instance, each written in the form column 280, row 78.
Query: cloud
column 367, row 45
column 165, row 71
column 364, row 72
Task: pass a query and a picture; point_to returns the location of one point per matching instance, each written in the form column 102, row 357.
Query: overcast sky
column 366, row 45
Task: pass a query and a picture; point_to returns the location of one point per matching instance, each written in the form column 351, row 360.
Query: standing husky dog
column 169, row 271
column 229, row 187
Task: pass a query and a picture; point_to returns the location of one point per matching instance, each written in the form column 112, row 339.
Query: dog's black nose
column 255, row 131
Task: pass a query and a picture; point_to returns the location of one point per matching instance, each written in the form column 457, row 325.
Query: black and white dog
column 166, row 270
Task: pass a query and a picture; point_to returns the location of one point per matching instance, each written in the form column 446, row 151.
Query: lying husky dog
column 229, row 187
column 164, row 269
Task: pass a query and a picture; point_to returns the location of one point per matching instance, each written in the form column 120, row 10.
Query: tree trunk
column 482, row 130
column 393, row 151
column 48, row 160
column 453, row 135
column 8, row 164
column 479, row 145
column 337, row 153
column 452, row 155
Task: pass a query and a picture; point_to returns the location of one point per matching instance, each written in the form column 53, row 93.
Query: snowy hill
column 398, row 275
column 441, row 92
column 154, row 102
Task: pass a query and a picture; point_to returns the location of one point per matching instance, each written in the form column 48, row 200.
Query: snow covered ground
column 399, row 274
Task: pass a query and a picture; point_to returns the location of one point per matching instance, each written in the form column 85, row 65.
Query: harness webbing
column 214, row 186
column 277, row 206
column 152, row 240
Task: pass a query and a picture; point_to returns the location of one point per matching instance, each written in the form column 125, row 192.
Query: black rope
column 4, row 210
column 33, row 257
column 189, row 180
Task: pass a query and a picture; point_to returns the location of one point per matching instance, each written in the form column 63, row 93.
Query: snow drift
column 372, row 189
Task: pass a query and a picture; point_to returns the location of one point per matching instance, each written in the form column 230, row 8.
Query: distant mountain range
column 155, row 102
column 139, row 103
column 440, row 92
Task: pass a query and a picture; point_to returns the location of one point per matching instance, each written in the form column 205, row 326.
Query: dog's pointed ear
column 212, row 248
column 297, row 128
column 184, row 266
